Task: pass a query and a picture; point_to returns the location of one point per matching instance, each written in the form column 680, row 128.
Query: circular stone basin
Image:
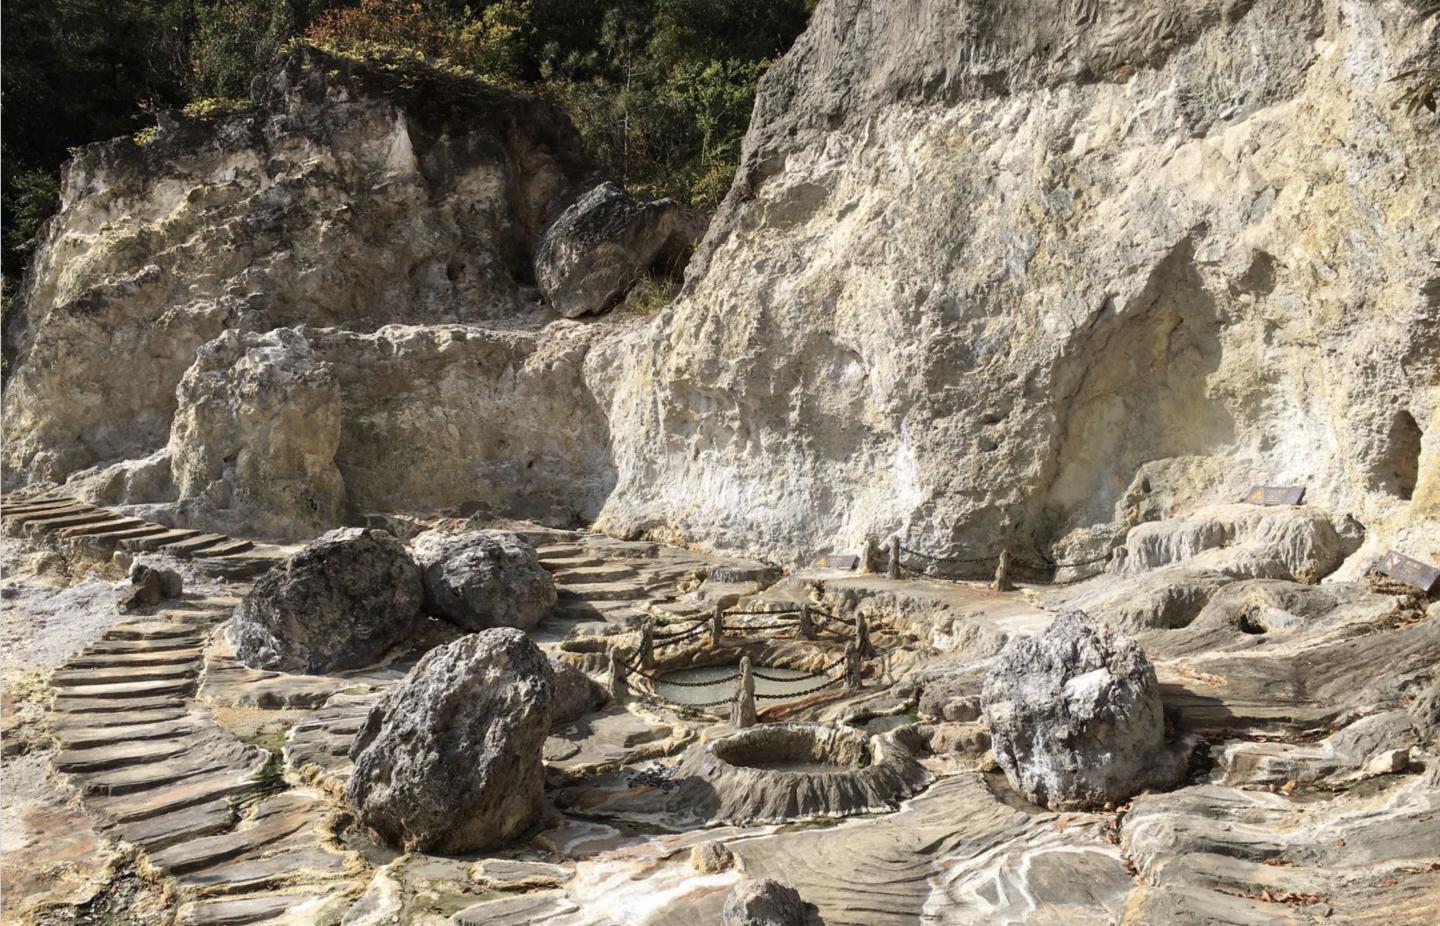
column 774, row 773
column 707, row 684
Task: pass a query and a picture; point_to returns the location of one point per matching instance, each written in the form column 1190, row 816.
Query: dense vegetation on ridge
column 661, row 90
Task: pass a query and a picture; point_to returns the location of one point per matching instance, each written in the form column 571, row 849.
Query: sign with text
column 1398, row 566
column 837, row 561
column 1275, row 495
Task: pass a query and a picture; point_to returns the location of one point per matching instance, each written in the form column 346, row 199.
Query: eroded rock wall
column 1029, row 274
column 346, row 197
column 325, row 305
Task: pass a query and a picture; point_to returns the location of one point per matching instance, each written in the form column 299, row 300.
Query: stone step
column 128, row 706
column 241, row 911
column 55, row 522
column 10, row 512
column 608, row 572
column 572, row 562
column 120, row 755
column 551, row 552
column 168, row 829
column 167, row 712
column 126, row 690
column 275, row 819
column 307, row 864
column 155, row 775
column 153, row 630
column 164, row 657
column 232, row 548
column 76, row 737
column 127, row 808
column 106, row 675
column 40, row 514
column 136, row 646
column 8, row 505
column 604, row 591
column 145, row 544
column 193, row 545
column 120, row 536
column 112, row 526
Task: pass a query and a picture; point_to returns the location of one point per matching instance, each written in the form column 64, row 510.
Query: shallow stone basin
column 774, row 773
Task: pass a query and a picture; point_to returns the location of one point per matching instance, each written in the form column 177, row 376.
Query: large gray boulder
column 763, row 902
column 1075, row 716
column 598, row 247
column 478, row 579
column 340, row 603
column 449, row 760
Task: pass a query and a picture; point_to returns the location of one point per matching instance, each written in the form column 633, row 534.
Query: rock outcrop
column 576, row 694
column 434, row 342
column 599, row 246
column 449, row 760
column 763, row 902
column 480, row 579
column 1075, row 717
column 340, row 603
column 253, row 442
column 1012, row 274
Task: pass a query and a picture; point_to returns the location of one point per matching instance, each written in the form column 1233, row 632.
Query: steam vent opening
column 1402, row 470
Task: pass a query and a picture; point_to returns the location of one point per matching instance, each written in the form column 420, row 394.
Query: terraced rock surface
column 159, row 772
column 1310, row 797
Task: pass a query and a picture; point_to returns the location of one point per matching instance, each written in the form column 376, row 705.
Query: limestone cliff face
column 1031, row 273
column 323, row 305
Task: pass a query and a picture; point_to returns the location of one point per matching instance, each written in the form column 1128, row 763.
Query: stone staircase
column 156, row 770
column 598, row 578
column 102, row 530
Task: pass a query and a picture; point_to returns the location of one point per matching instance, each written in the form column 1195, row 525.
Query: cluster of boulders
column 449, row 759
column 354, row 594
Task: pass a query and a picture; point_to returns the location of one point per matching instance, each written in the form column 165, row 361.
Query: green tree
column 235, row 40
column 74, row 71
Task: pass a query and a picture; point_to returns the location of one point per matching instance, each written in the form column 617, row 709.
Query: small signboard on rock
column 1398, row 566
column 838, row 561
column 1275, row 495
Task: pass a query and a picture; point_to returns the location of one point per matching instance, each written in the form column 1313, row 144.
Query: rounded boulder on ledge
column 1075, row 716
column 479, row 579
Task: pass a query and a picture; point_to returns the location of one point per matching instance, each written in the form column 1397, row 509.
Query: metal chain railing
column 633, row 667
column 1046, row 565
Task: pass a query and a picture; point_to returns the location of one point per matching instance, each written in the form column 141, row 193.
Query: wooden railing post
column 1002, row 573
